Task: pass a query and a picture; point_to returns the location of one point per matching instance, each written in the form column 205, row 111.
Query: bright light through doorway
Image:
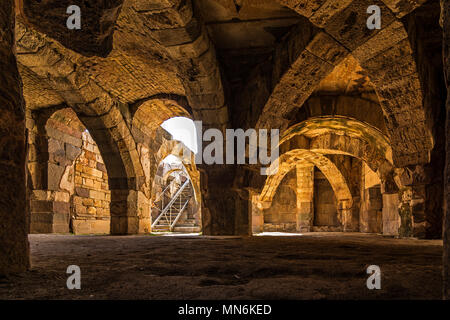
column 182, row 129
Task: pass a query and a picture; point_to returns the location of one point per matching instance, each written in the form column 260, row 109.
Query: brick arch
column 154, row 143
column 102, row 115
column 126, row 174
column 386, row 55
column 146, row 119
column 289, row 160
column 148, row 115
column 120, row 164
column 347, row 136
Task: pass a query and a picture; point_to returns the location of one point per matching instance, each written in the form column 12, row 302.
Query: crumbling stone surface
column 91, row 199
column 312, row 69
column 446, row 260
column 281, row 216
column 98, row 20
column 14, row 252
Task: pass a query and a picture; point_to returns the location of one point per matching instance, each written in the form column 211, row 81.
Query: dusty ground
column 315, row 266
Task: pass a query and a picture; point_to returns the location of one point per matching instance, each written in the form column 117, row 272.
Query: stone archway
column 102, row 115
column 346, row 136
column 187, row 158
column 289, row 160
column 304, row 162
column 311, row 140
column 386, row 55
column 168, row 173
column 162, row 189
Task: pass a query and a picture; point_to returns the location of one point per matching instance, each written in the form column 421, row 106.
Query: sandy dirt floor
column 313, row 266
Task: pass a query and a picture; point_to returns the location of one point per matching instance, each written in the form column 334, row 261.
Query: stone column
column 257, row 213
column 219, row 201
column 412, row 197
column 14, row 248
column 305, row 194
column 390, row 203
column 391, row 218
column 345, row 213
column 371, row 209
column 446, row 235
column 130, row 211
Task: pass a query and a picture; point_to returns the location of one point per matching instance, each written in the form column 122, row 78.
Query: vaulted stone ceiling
column 244, row 32
column 347, row 78
column 241, row 25
column 208, row 51
column 136, row 67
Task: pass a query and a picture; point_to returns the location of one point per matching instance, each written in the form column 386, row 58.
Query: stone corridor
column 311, row 266
column 306, row 119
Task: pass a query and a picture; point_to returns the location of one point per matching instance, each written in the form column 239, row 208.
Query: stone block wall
column 282, row 215
column 14, row 248
column 305, row 196
column 55, row 143
column 91, row 198
column 391, row 218
column 371, row 206
column 69, row 189
column 325, row 209
column 371, row 218
column 351, row 169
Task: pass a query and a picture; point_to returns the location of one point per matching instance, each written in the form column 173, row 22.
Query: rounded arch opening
column 176, row 205
column 70, row 181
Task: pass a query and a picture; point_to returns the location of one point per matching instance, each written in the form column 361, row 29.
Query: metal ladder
column 171, row 213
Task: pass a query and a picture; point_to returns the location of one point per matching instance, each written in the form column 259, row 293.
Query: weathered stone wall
column 391, row 217
column 14, row 250
column 325, row 209
column 91, row 198
column 351, row 169
column 55, row 142
column 305, row 197
column 371, row 218
column 425, row 36
column 96, row 34
column 70, row 190
column 446, row 236
column 281, row 216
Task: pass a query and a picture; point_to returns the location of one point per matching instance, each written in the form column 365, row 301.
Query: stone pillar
column 412, row 197
column 405, row 212
column 305, row 194
column 371, row 210
column 446, row 235
column 257, row 209
column 219, row 201
column 391, row 218
column 345, row 212
column 130, row 212
column 14, row 248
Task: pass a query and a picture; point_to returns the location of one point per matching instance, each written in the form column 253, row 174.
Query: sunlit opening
column 182, row 129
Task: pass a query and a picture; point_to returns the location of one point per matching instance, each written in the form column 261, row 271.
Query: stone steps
column 186, row 223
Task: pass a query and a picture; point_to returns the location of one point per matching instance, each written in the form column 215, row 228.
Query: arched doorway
column 175, row 206
column 176, row 198
column 70, row 189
